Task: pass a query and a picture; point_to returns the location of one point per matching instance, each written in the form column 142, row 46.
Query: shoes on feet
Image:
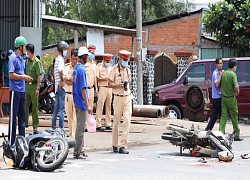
column 108, row 128
column 35, row 131
column 81, row 155
column 238, row 139
column 122, row 150
column 115, row 149
column 100, row 129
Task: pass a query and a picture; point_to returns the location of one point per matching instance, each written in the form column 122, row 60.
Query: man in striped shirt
column 62, row 48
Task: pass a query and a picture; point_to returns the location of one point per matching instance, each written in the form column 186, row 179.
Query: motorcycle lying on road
column 46, row 97
column 45, row 151
column 200, row 143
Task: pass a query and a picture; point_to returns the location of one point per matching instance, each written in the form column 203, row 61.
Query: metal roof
column 73, row 24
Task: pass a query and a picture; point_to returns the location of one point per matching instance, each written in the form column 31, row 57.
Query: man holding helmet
column 59, row 106
column 119, row 81
column 17, row 88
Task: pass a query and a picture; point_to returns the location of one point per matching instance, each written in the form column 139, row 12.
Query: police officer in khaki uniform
column 69, row 102
column 119, row 81
column 34, row 70
column 104, row 93
column 90, row 67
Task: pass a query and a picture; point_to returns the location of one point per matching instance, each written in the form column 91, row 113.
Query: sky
column 203, row 3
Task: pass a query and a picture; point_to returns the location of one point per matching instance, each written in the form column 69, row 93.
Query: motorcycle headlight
column 156, row 94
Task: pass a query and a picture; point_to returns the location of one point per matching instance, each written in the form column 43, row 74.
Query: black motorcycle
column 46, row 97
column 45, row 151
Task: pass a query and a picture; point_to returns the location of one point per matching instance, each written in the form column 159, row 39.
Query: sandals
column 245, row 156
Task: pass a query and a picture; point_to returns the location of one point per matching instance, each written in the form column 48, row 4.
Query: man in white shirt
column 62, row 48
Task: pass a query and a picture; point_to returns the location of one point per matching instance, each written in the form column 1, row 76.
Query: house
column 171, row 42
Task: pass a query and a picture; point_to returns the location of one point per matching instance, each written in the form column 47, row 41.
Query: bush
column 47, row 60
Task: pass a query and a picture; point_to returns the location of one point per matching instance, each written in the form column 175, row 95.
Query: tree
column 108, row 12
column 229, row 22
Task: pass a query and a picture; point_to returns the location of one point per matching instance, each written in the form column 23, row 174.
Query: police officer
column 230, row 89
column 69, row 102
column 5, row 69
column 104, row 93
column 33, row 69
column 90, row 67
column 5, row 78
column 119, row 81
column 17, row 89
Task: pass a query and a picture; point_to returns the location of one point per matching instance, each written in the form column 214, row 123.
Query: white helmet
column 225, row 156
column 83, row 50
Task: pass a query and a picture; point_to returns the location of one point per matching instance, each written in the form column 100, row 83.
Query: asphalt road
column 156, row 161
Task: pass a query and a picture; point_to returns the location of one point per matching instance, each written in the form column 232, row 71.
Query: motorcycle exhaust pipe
column 176, row 128
column 43, row 148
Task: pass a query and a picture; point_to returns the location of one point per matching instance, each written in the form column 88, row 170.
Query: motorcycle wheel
column 217, row 143
column 50, row 160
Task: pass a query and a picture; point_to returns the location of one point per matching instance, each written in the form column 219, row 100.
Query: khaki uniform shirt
column 119, row 76
column 103, row 72
column 91, row 73
column 68, row 72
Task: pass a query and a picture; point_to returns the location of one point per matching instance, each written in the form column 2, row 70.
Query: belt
column 121, row 95
column 69, row 92
column 228, row 96
column 103, row 86
column 32, row 82
column 90, row 87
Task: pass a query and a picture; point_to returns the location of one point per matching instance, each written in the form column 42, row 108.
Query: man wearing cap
column 104, row 93
column 82, row 107
column 59, row 106
column 33, row 69
column 17, row 89
column 119, row 81
column 69, row 102
column 90, row 67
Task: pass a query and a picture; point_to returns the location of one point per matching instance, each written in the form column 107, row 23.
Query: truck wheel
column 174, row 112
column 194, row 98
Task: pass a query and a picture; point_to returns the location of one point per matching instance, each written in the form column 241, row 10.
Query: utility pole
column 139, row 51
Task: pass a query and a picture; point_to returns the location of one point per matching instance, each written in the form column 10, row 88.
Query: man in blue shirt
column 216, row 94
column 80, row 96
column 17, row 89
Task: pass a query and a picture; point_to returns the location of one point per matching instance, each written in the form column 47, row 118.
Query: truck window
column 247, row 72
column 196, row 74
column 238, row 72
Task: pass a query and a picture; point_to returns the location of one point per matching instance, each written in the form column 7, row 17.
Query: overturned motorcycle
column 45, row 151
column 200, row 143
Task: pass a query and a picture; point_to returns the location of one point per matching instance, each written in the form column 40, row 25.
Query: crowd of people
column 76, row 84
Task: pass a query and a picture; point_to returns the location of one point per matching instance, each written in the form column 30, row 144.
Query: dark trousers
column 17, row 109
column 216, row 108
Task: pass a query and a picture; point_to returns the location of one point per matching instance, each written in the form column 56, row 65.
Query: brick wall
column 179, row 35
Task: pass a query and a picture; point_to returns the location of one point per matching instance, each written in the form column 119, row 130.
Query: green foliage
column 108, row 12
column 229, row 22
column 47, row 61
